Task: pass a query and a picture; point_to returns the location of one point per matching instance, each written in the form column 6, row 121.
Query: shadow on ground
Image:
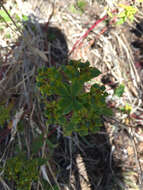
column 93, row 166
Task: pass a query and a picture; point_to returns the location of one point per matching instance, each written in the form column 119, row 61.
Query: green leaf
column 69, row 129
column 75, row 118
column 96, row 129
column 84, row 65
column 68, row 109
column 39, row 84
column 50, row 144
column 76, row 87
column 8, row 36
column 119, row 90
column 82, row 129
column 121, row 21
column 41, row 161
column 73, row 9
column 131, row 18
column 71, row 72
column 77, row 105
column 62, row 90
column 102, row 88
column 4, row 115
column 66, row 105
column 88, row 74
column 5, row 16
column 25, row 18
column 94, row 72
column 81, row 4
column 96, row 86
column 83, row 132
column 54, row 187
column 37, row 144
column 17, row 17
column 62, row 120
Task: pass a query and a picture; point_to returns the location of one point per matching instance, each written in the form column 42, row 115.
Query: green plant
column 25, row 18
column 67, row 103
column 127, row 13
column 79, row 7
column 119, row 90
column 73, row 9
column 81, row 4
column 4, row 115
column 38, row 143
column 8, row 36
column 126, row 109
column 22, row 171
column 4, row 16
column 48, row 187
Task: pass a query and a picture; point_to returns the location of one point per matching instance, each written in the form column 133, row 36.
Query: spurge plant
column 67, row 104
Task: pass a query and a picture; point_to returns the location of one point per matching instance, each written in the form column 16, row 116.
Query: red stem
column 78, row 42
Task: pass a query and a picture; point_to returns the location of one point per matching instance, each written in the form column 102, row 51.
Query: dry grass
column 111, row 52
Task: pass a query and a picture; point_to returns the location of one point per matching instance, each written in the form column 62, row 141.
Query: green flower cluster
column 22, row 171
